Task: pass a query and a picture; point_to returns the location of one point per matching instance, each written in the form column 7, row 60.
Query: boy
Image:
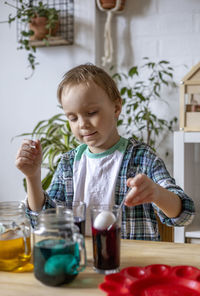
column 101, row 170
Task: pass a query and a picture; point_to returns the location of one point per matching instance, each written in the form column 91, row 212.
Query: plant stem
column 7, row 3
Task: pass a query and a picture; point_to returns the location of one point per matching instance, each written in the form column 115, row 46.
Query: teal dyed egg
column 61, row 264
column 55, row 265
column 71, row 266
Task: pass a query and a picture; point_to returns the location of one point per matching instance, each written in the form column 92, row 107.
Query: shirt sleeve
column 33, row 215
column 161, row 176
column 57, row 190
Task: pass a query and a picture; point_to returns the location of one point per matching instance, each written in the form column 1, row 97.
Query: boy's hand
column 144, row 190
column 29, row 158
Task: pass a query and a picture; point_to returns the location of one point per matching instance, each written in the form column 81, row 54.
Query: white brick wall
column 179, row 6
column 159, row 29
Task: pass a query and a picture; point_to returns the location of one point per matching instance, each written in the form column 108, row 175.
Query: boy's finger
column 136, row 181
column 38, row 145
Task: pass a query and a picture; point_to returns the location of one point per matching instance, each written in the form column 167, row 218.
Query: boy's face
column 92, row 115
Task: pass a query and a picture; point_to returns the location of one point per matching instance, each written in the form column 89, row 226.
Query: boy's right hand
column 29, row 158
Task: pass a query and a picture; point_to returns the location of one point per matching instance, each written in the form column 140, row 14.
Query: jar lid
column 9, row 208
column 56, row 215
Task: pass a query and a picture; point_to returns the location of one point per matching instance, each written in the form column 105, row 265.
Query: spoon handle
column 121, row 204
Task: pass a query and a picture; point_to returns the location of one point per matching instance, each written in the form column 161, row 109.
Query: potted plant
column 139, row 117
column 39, row 22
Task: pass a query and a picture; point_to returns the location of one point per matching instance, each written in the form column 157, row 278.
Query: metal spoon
column 121, row 204
column 119, row 209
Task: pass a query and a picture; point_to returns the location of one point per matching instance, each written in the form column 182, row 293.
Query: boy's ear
column 118, row 107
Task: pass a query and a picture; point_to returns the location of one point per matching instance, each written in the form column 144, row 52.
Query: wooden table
column 133, row 253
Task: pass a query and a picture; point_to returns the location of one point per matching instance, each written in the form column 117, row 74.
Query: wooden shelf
column 53, row 41
column 190, row 137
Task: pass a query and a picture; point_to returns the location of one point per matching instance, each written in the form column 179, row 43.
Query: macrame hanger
column 108, row 44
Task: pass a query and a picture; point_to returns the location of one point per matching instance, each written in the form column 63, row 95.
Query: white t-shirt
column 95, row 176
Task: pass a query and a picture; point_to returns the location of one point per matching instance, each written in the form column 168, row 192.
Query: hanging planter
column 41, row 24
column 110, row 7
column 109, row 4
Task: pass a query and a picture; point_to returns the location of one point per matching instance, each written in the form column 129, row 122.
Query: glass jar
column 15, row 233
column 59, row 248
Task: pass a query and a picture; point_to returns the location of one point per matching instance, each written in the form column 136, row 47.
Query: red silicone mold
column 153, row 280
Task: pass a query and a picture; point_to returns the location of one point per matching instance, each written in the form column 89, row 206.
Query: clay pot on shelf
column 38, row 26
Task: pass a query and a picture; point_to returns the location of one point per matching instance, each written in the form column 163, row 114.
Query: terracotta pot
column 38, row 26
column 108, row 4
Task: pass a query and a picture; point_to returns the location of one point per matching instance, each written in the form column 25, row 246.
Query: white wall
column 159, row 29
column 24, row 102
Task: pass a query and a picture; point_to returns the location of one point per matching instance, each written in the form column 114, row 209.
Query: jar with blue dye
column 59, row 249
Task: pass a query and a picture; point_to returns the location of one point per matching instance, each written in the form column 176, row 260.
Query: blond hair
column 86, row 73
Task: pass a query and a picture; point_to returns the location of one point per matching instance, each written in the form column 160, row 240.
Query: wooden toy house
column 190, row 100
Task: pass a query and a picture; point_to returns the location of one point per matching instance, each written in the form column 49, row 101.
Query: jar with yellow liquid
column 15, row 234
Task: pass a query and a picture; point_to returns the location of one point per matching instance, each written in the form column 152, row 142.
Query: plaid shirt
column 138, row 222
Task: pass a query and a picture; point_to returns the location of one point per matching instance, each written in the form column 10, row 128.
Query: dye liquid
column 106, row 248
column 14, row 254
column 56, row 262
column 81, row 224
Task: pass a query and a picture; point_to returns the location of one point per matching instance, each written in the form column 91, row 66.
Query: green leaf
column 25, row 184
column 123, row 91
column 168, row 73
column 135, row 106
column 133, row 71
column 129, row 92
column 119, row 122
column 140, row 96
column 163, row 62
column 117, row 76
column 47, row 181
column 129, row 120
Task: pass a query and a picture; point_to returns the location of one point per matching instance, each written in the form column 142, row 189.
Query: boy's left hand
column 144, row 190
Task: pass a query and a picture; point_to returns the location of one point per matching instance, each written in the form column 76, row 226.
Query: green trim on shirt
column 79, row 151
column 120, row 146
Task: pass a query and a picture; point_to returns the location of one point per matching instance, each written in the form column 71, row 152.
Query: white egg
column 104, row 219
